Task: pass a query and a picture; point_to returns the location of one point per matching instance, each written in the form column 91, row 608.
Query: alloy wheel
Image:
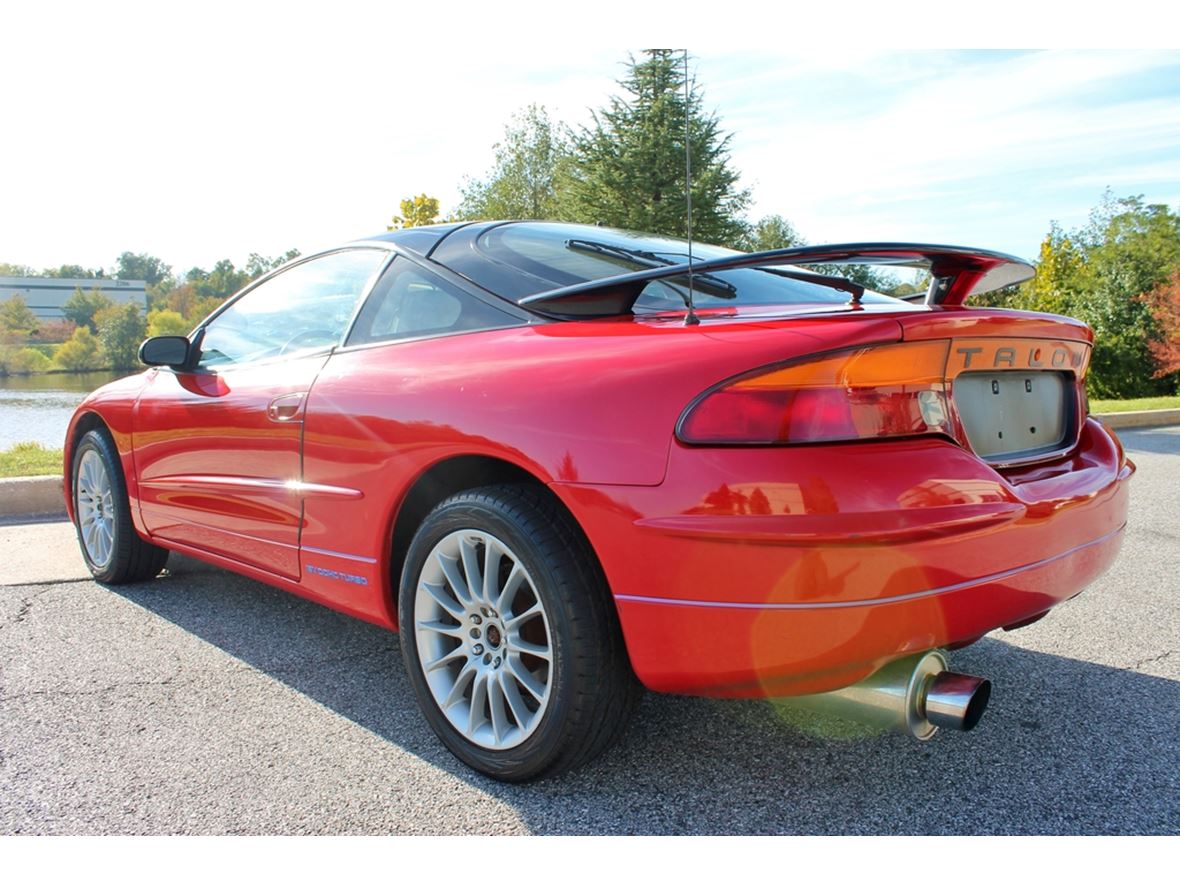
column 483, row 638
column 96, row 508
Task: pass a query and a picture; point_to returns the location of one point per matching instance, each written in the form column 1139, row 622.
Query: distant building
column 46, row 295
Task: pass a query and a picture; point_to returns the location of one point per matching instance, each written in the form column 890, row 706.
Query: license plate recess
column 1013, row 415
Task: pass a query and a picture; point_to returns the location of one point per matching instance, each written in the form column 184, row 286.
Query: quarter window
column 305, row 308
column 411, row 302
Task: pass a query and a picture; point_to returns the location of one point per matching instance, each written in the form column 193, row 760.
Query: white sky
column 219, row 130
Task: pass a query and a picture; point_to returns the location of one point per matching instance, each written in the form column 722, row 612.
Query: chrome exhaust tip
column 955, row 700
column 917, row 694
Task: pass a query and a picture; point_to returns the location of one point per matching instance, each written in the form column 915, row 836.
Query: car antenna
column 690, row 318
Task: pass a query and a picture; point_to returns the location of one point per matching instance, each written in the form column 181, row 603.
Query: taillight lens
column 866, row 393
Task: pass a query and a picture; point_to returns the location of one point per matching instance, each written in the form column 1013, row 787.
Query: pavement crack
column 50, row 584
column 1143, row 663
column 71, row 693
column 1158, row 533
column 26, row 606
column 168, row 680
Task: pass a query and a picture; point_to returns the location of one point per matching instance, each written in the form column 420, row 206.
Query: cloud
column 995, row 136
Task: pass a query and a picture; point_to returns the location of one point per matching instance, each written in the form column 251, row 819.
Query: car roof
column 418, row 239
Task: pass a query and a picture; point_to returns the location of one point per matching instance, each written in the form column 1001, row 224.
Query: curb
column 32, row 496
column 1154, row 418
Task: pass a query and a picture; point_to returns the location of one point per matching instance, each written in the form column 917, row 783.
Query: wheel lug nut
column 475, row 633
column 487, row 659
column 476, row 619
column 484, row 612
column 496, row 662
column 478, row 650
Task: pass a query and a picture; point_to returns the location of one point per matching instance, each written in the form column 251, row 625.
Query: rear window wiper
column 708, row 283
column 856, row 290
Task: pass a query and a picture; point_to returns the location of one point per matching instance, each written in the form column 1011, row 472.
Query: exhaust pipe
column 916, row 695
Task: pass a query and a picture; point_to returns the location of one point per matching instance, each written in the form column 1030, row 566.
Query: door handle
column 286, row 408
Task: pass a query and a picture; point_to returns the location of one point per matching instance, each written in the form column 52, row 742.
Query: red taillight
column 867, row 393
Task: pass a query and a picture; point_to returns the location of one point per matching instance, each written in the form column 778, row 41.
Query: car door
column 218, row 449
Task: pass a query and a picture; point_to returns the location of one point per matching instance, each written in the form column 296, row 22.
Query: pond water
column 37, row 408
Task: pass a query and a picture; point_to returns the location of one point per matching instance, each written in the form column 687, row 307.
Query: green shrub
column 81, row 353
column 27, row 361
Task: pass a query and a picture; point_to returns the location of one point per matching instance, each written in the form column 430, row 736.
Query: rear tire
column 113, row 551
column 510, row 637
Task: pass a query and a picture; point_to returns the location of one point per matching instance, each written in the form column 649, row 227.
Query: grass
column 1151, row 403
column 30, row 459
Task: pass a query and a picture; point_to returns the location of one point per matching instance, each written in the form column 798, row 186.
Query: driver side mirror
column 166, row 350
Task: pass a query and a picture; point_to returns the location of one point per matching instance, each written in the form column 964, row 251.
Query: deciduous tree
column 143, row 266
column 221, row 282
column 527, row 166
column 54, row 331
column 257, row 265
column 1100, row 273
column 74, row 272
column 16, row 316
column 185, row 301
column 1164, row 303
column 167, row 322
column 121, row 329
column 81, row 353
column 770, row 232
column 416, row 212
column 83, row 305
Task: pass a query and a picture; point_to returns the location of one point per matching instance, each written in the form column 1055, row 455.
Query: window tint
column 547, row 256
column 409, row 302
column 302, row 309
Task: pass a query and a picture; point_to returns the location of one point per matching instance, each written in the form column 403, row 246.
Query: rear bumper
column 789, row 571
column 757, row 651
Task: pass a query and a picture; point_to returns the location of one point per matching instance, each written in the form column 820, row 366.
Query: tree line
column 98, row 333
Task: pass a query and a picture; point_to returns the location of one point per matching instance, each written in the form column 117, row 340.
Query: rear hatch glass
column 549, row 256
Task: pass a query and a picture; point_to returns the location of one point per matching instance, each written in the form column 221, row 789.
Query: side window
column 410, row 302
column 305, row 308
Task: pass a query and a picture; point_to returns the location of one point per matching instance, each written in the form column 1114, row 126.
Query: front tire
column 113, row 551
column 509, row 635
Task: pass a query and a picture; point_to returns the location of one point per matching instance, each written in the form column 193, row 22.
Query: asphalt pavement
column 203, row 702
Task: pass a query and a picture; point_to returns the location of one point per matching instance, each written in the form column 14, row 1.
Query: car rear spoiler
column 956, row 273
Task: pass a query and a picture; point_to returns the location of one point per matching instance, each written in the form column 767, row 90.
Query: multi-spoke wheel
column 510, row 637
column 96, row 509
column 114, row 553
column 483, row 639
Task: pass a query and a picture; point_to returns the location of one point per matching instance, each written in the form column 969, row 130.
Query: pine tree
column 628, row 168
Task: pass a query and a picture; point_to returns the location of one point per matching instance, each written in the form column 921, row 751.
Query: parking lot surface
column 203, row 702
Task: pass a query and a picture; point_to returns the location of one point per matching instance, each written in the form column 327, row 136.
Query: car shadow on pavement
column 1066, row 747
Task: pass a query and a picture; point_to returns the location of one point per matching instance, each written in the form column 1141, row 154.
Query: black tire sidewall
column 478, row 512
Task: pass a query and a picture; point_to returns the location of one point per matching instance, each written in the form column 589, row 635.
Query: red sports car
column 569, row 461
